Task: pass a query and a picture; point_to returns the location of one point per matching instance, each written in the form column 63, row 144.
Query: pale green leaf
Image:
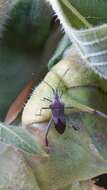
column 15, row 173
column 18, row 137
column 73, row 156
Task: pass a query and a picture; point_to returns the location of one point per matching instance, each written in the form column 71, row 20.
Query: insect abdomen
column 60, row 126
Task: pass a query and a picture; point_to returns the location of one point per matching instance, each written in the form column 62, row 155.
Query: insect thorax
column 57, row 104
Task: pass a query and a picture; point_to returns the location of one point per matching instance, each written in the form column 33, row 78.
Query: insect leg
column 53, row 90
column 73, row 125
column 87, row 109
column 76, row 127
column 99, row 113
column 60, row 93
column 47, row 131
column 44, row 108
column 46, row 99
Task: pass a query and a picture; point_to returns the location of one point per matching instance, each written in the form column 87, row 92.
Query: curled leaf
column 73, row 156
column 75, row 86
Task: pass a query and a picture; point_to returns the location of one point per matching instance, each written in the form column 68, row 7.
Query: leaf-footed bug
column 57, row 110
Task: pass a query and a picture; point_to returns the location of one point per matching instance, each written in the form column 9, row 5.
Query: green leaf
column 15, row 173
column 92, row 42
column 13, row 62
column 98, row 133
column 18, row 137
column 72, row 15
column 73, row 156
column 5, row 9
column 63, row 45
column 80, row 13
column 24, row 29
column 69, row 15
column 28, row 25
column 92, row 45
column 88, row 10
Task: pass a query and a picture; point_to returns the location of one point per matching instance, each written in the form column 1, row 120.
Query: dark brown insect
column 58, row 116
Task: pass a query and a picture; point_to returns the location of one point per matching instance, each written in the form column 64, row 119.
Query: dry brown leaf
column 17, row 106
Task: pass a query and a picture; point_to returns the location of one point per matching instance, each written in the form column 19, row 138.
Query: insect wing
column 59, row 121
column 60, row 126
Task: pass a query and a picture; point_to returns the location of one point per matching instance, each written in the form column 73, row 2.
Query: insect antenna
column 60, row 79
column 49, row 86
